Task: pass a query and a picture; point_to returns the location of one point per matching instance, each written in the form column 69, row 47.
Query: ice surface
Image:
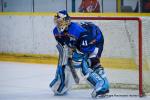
column 21, row 81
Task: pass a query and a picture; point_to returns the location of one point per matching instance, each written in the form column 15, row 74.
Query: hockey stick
column 64, row 60
column 73, row 71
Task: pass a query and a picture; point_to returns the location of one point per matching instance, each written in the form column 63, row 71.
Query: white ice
column 21, row 81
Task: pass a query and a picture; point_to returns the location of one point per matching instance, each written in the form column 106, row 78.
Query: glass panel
column 17, row 5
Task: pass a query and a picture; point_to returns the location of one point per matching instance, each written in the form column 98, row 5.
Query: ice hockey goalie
column 79, row 46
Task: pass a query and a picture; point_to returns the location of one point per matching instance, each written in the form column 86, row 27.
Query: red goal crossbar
column 139, row 20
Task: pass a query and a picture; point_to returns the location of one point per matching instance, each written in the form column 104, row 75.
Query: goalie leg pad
column 59, row 76
column 90, row 75
column 102, row 87
column 57, row 84
column 62, row 82
column 97, row 79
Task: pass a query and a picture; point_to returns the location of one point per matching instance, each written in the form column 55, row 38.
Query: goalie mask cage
column 123, row 46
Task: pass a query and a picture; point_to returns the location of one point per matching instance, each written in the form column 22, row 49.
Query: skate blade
column 57, row 94
column 102, row 96
column 105, row 95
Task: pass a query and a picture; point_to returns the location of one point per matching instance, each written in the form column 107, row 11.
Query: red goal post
column 139, row 20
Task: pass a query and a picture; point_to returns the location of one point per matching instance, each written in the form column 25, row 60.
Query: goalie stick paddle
column 64, row 60
column 73, row 71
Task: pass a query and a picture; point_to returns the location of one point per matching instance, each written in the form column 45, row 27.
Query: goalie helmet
column 62, row 20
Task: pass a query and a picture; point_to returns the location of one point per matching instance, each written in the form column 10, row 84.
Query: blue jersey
column 80, row 36
column 92, row 38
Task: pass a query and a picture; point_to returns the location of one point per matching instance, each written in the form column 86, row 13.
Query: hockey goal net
column 124, row 60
